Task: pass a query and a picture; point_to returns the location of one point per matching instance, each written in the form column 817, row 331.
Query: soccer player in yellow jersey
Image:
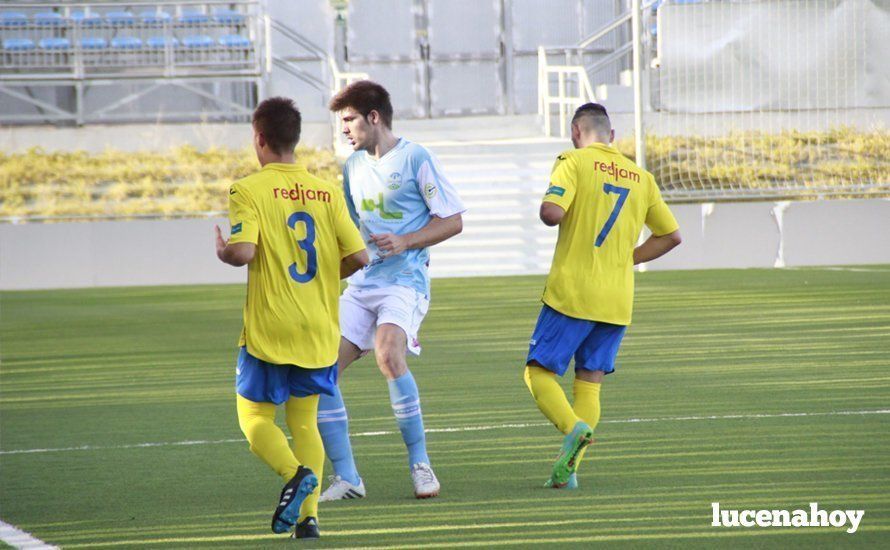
column 600, row 200
column 296, row 236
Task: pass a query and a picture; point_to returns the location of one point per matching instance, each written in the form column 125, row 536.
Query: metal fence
column 106, row 60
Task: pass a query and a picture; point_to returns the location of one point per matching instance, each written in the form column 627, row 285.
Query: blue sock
column 333, row 424
column 405, row 401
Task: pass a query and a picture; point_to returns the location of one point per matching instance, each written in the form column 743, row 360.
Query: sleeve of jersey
column 242, row 217
column 437, row 192
column 659, row 218
column 349, row 239
column 563, row 182
column 348, row 195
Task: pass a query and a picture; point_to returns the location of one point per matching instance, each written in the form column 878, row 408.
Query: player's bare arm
column 551, row 214
column 352, row 263
column 436, row 231
column 656, row 246
column 236, row 254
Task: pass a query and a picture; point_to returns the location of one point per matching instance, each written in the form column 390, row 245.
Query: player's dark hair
column 364, row 96
column 597, row 115
column 280, row 122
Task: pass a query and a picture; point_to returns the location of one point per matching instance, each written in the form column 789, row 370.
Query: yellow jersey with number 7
column 607, row 199
column 302, row 229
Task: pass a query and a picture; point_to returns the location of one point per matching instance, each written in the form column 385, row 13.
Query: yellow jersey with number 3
column 302, row 230
column 607, row 199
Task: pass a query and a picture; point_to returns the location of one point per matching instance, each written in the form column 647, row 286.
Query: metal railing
column 75, row 46
column 572, row 88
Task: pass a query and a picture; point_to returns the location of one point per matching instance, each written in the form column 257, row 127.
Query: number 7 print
column 622, row 193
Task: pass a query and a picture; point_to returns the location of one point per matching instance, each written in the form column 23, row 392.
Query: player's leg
column 304, row 387
column 267, row 441
column 400, row 313
column 333, row 424
column 390, row 348
column 555, row 339
column 260, row 386
column 553, row 342
column 357, row 324
column 594, row 359
column 307, row 448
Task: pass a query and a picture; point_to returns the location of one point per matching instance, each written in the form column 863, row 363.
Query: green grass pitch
column 130, row 394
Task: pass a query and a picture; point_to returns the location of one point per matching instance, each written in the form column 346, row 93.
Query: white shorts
column 363, row 310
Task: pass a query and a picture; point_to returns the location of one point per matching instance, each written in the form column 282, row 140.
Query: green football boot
column 581, row 436
column 572, row 484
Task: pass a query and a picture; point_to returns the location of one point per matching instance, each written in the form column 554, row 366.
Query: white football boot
column 425, row 483
column 340, row 489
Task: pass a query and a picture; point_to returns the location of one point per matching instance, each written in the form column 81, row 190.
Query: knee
column 391, row 363
column 390, row 354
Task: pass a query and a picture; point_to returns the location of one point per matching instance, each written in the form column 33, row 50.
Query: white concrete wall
column 739, row 235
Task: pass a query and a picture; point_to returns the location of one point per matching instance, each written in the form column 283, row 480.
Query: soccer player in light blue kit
column 402, row 204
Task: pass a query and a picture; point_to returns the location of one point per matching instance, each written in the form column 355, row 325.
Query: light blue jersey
column 397, row 194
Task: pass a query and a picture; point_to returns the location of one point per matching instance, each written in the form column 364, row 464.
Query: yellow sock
column 550, row 398
column 587, row 405
column 302, row 414
column 267, row 441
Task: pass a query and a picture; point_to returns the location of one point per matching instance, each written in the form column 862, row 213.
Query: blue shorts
column 263, row 382
column 558, row 337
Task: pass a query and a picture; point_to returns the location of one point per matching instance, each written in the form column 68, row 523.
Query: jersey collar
column 602, row 147
column 281, row 166
column 399, row 145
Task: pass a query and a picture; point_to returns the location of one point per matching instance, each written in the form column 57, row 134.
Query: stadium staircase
column 500, row 166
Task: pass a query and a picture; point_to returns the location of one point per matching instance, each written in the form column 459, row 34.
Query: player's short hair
column 280, row 122
column 593, row 116
column 364, row 96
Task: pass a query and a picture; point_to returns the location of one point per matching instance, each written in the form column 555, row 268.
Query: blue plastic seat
column 55, row 43
column 229, row 17
column 13, row 19
column 199, row 41
column 48, row 19
column 161, row 42
column 234, row 41
column 193, row 17
column 84, row 19
column 120, row 18
column 126, row 43
column 154, row 17
column 93, row 43
column 18, row 44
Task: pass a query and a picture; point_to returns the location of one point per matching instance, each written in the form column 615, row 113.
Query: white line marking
column 17, row 538
column 460, row 429
column 838, row 268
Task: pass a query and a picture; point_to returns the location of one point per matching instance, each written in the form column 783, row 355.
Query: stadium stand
column 80, row 45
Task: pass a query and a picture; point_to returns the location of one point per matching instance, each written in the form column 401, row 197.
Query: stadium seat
column 193, row 18
column 86, row 19
column 199, row 41
column 18, row 44
column 48, row 19
column 154, row 17
column 161, row 41
column 120, row 18
column 55, row 43
column 126, row 43
column 13, row 19
column 93, row 43
column 230, row 17
column 234, row 41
